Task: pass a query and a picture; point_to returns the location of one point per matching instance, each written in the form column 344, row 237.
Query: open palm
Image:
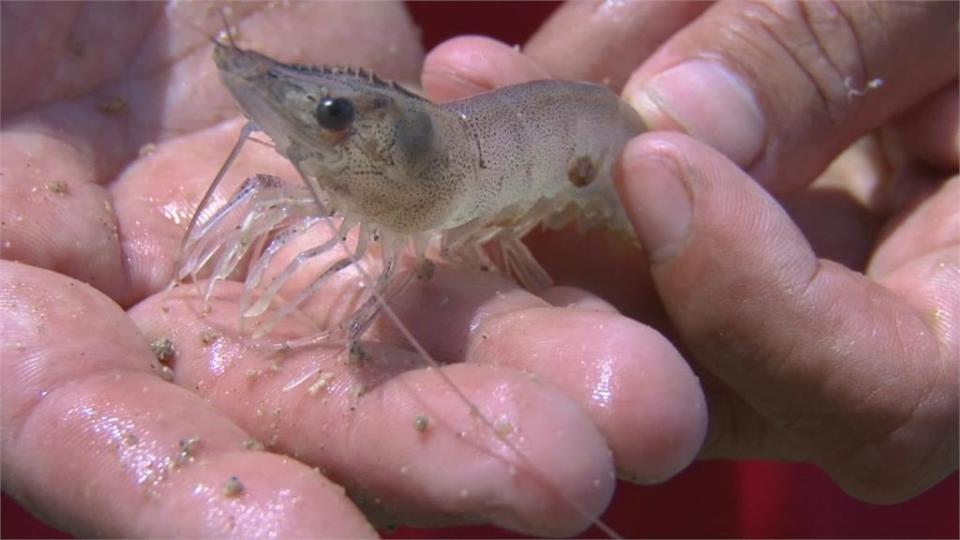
column 114, row 123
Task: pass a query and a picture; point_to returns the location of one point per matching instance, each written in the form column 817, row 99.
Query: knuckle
column 817, row 46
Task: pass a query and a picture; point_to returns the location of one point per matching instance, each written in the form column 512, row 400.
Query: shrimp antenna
column 226, row 28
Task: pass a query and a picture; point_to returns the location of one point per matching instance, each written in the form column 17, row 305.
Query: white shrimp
column 464, row 181
column 470, row 175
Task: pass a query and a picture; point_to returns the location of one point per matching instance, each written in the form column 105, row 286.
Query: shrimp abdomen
column 542, row 141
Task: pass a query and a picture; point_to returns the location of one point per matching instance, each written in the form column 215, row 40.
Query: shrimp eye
column 335, row 114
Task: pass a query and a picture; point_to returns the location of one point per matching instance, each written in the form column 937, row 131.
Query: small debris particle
column 130, row 439
column 425, row 270
column 323, row 380
column 936, row 317
column 163, row 349
column 253, row 445
column 208, row 336
column 147, row 149
column 274, row 366
column 358, row 390
column 233, row 487
column 503, row 427
column 166, row 373
column 852, row 91
column 165, row 309
column 356, row 355
column 20, row 347
column 188, row 445
column 186, row 453
column 58, row 187
column 112, row 106
column 253, row 373
column 421, row 423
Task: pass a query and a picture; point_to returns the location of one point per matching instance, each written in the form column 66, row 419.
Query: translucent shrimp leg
column 263, row 302
column 352, row 258
column 257, row 193
column 258, row 267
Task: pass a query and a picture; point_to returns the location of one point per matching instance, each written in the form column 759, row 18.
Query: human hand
column 144, row 457
column 93, row 439
column 852, row 362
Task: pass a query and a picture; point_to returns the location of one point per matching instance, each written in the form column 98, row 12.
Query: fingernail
column 709, row 102
column 656, row 200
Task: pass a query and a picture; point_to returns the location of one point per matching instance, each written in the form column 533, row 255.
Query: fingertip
column 705, row 99
column 630, row 380
column 669, row 409
column 455, row 458
column 655, row 195
column 467, row 65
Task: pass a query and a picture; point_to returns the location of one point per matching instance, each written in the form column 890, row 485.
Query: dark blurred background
column 709, row 500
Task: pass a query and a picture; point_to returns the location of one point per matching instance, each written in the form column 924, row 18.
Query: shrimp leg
column 278, row 281
column 305, row 294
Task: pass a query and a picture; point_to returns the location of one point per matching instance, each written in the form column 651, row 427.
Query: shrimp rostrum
column 462, row 181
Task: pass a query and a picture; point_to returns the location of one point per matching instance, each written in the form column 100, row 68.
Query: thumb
column 839, row 369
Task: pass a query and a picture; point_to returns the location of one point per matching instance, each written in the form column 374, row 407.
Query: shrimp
column 461, row 182
column 472, row 176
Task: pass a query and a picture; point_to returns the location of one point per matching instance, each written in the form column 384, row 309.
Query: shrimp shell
column 467, row 178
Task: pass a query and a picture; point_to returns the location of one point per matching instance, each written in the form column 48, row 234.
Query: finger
column 631, row 381
column 628, row 378
column 55, row 216
column 839, row 366
column 605, row 41
column 931, row 129
column 50, row 51
column 401, row 441
column 781, row 89
column 464, row 66
column 918, row 260
column 594, row 260
column 565, row 296
column 98, row 443
column 930, row 226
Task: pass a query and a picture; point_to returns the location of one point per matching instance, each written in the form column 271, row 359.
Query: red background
column 710, row 499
